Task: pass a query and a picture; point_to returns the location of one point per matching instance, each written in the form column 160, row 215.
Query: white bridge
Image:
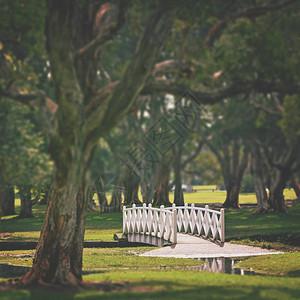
column 165, row 222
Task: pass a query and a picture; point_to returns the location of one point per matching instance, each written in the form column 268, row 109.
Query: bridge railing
column 159, row 222
column 166, row 222
column 201, row 221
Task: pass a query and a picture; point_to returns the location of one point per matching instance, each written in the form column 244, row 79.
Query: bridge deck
column 189, row 246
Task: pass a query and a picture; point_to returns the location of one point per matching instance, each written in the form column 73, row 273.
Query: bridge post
column 222, row 225
column 174, row 226
column 124, row 219
column 134, row 218
column 150, row 227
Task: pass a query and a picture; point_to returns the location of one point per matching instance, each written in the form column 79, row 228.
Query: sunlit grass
column 287, row 264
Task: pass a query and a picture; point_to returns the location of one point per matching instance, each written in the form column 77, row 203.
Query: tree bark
column 276, row 197
column 233, row 164
column 259, row 183
column 131, row 185
column 58, row 257
column 26, row 205
column 281, row 160
column 101, row 195
column 8, row 200
column 161, row 190
column 83, row 116
column 116, row 200
column 232, row 195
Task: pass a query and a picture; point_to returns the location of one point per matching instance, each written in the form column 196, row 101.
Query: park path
column 189, row 246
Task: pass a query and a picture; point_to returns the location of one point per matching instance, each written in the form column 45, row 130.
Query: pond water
column 223, row 265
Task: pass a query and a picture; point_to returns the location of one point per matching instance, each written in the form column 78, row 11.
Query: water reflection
column 223, row 265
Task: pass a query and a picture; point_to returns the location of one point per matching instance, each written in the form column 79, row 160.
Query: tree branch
column 172, row 66
column 137, row 73
column 169, row 87
column 27, row 99
column 247, row 13
column 109, row 19
column 267, row 110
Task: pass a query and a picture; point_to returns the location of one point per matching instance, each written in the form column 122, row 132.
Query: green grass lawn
column 175, row 284
column 287, row 264
column 148, row 278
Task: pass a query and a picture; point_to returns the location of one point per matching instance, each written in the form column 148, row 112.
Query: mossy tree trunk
column 75, row 36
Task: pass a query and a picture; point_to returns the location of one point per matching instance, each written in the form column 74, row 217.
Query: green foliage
column 207, row 168
column 247, row 185
column 22, row 27
column 22, row 148
column 260, row 48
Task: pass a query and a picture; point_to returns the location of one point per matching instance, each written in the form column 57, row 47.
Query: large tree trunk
column 276, row 198
column 280, row 168
column 232, row 195
column 58, row 257
column 233, row 164
column 131, row 192
column 161, row 190
column 84, row 114
column 26, row 205
column 101, row 195
column 116, row 200
column 8, row 200
column 259, row 183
